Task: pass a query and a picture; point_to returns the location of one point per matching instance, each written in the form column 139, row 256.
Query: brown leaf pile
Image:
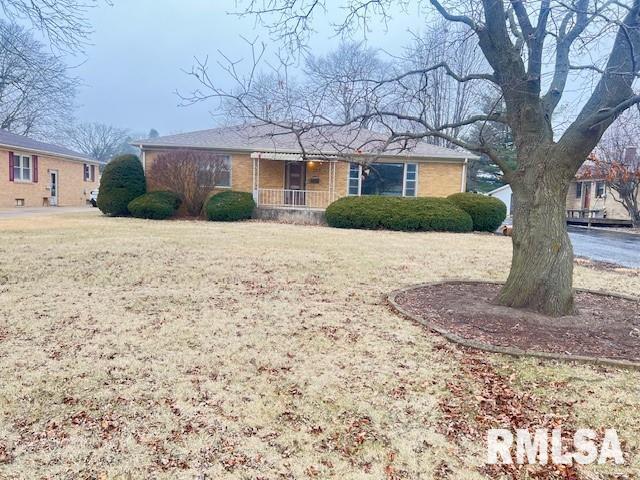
column 490, row 402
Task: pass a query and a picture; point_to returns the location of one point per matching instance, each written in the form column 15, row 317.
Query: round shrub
column 230, row 206
column 397, row 213
column 487, row 213
column 122, row 181
column 155, row 205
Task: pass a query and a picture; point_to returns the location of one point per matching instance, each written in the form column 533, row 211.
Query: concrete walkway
column 28, row 212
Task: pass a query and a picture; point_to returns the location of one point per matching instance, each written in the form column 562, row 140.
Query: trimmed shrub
column 122, row 181
column 487, row 213
column 398, row 213
column 230, row 206
column 155, row 205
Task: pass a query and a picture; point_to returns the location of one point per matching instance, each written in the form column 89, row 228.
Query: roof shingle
column 329, row 141
column 12, row 140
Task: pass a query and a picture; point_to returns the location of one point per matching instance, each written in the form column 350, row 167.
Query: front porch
column 289, row 181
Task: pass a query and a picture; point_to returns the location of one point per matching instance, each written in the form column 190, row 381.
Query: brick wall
column 439, row 179
column 72, row 189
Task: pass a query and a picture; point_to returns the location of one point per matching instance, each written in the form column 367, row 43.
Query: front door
column 586, row 201
column 53, row 184
column 295, row 173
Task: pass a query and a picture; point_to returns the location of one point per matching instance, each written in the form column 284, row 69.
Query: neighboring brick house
column 590, row 197
column 270, row 164
column 40, row 174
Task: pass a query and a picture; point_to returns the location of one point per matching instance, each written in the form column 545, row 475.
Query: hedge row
column 398, row 213
column 487, row 213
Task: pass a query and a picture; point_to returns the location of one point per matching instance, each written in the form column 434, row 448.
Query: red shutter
column 34, row 159
column 11, row 167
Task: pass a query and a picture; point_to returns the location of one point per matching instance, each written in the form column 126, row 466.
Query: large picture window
column 383, row 179
column 387, row 179
column 215, row 171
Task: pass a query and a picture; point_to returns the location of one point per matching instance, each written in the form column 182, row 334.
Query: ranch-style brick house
column 38, row 174
column 270, row 164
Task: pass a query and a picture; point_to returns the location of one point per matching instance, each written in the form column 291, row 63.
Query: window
column 89, row 173
column 21, row 168
column 410, row 179
column 215, row 171
column 599, row 189
column 383, row 179
column 579, row 190
column 389, row 179
column 354, row 179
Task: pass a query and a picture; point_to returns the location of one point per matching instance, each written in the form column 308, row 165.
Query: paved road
column 28, row 212
column 614, row 247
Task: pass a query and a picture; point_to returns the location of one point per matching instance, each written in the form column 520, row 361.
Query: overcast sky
column 140, row 48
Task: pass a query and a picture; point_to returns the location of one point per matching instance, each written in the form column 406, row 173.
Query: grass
column 140, row 349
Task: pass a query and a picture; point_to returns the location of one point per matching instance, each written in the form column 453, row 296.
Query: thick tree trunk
column 542, row 267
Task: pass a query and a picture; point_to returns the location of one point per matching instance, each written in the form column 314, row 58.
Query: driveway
column 28, row 212
column 614, row 247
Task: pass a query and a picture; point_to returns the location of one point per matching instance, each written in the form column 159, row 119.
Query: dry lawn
column 137, row 349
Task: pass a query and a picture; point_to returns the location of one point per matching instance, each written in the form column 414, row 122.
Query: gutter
column 440, row 159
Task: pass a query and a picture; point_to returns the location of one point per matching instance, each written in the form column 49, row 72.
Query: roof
column 20, row 142
column 328, row 141
column 499, row 189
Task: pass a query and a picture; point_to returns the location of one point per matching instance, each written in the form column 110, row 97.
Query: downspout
column 144, row 159
column 463, row 182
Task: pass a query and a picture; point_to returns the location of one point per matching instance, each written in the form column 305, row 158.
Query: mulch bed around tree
column 604, row 327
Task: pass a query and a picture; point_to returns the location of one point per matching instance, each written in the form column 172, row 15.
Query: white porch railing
column 283, row 198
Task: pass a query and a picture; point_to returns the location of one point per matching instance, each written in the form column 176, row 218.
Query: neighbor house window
column 599, row 189
column 215, row 171
column 89, row 173
column 579, row 190
column 22, row 167
column 388, row 179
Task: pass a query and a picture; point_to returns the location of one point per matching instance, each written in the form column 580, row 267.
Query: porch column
column 256, row 180
column 332, row 180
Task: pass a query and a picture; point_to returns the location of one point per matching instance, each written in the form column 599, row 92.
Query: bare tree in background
column 434, row 95
column 343, row 79
column 64, row 22
column 531, row 51
column 98, row 140
column 617, row 163
column 190, row 174
column 36, row 92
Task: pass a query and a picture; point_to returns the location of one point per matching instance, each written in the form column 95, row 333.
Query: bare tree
column 617, row 163
column 98, row 140
column 190, row 174
column 435, row 95
column 343, row 79
column 531, row 50
column 36, row 92
column 64, row 22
